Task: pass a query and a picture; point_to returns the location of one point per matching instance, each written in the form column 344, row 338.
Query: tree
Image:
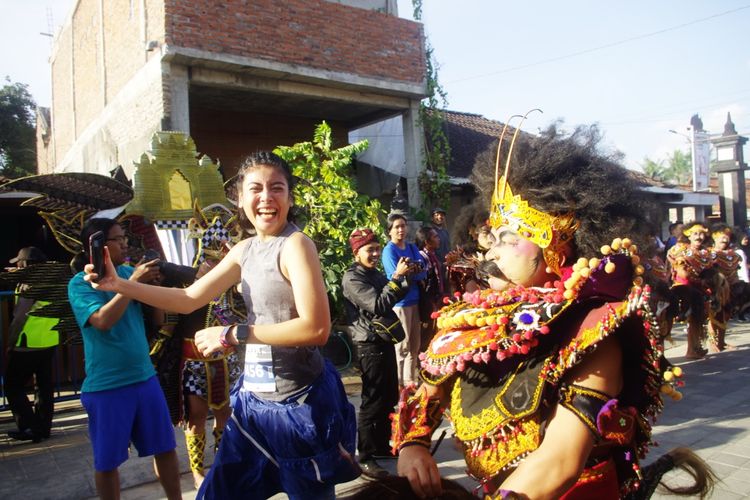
column 654, row 169
column 676, row 168
column 331, row 206
column 17, row 130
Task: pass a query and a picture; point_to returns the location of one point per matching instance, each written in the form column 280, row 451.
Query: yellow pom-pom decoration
column 481, row 322
column 616, row 243
column 568, row 294
column 666, row 389
column 635, row 260
column 639, row 269
column 585, row 272
column 668, row 376
column 633, row 249
column 676, row 395
column 677, row 371
column 609, row 268
column 626, row 242
column 582, row 262
column 606, row 250
column 638, row 281
column 594, row 262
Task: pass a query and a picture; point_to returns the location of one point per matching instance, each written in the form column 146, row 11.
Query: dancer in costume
column 551, row 381
column 275, row 439
column 691, row 262
column 731, row 289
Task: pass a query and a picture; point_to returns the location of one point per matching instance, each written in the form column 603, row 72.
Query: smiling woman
column 287, row 320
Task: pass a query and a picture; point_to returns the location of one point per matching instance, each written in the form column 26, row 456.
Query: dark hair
column 721, row 227
column 560, row 173
column 423, row 234
column 92, row 226
column 392, row 218
column 260, row 159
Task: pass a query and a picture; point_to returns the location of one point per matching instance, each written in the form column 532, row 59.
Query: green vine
column 433, row 180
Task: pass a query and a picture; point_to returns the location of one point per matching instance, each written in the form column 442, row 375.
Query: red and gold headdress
column 551, row 233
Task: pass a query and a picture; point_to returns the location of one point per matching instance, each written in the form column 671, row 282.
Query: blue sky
column 638, row 68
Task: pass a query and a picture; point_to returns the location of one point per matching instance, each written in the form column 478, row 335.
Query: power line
column 600, row 47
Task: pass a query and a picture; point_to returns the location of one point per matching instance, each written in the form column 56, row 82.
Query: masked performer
column 691, row 261
column 551, row 381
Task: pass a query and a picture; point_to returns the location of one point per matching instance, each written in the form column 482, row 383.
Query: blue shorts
column 136, row 413
column 302, row 446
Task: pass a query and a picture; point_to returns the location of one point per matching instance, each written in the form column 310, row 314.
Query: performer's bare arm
column 416, row 463
column 554, row 467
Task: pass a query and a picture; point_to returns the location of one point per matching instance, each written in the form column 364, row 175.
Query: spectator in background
column 370, row 298
column 407, row 309
column 440, row 225
column 675, row 231
column 31, row 347
column 121, row 394
column 432, row 288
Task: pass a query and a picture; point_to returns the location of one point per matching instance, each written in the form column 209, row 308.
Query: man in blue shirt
column 121, row 394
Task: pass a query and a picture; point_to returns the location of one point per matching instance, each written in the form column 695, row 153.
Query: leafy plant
column 330, row 206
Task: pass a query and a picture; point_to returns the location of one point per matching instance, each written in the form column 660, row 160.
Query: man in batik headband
column 691, row 262
column 551, row 382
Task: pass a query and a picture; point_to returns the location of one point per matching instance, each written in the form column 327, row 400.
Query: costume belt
column 217, row 372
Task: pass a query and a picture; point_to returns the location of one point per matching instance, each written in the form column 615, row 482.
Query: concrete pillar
column 413, row 153
column 179, row 99
column 730, row 166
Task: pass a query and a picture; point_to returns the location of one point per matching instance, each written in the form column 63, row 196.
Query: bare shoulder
column 300, row 242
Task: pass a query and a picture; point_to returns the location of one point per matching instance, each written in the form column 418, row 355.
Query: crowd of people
column 540, row 334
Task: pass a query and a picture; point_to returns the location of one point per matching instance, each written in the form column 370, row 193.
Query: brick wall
column 309, row 33
column 99, row 100
column 87, row 73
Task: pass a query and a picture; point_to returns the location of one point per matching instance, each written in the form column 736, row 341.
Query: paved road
column 713, row 419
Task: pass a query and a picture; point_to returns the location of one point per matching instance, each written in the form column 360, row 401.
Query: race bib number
column 259, row 375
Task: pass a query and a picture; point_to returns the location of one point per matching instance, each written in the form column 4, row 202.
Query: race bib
column 259, row 375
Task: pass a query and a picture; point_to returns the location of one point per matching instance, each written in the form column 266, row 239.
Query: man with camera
column 120, row 393
column 370, row 298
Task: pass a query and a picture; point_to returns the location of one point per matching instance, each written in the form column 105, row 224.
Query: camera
column 174, row 274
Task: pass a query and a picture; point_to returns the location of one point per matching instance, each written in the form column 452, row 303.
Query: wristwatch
column 242, row 333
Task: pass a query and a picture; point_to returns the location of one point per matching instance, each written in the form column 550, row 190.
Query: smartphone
column 96, row 253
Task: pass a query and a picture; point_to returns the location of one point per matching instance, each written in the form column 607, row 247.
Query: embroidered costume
column 505, row 355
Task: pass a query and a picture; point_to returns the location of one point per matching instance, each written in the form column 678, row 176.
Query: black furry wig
column 560, row 173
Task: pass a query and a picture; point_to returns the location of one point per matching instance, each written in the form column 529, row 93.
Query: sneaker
column 372, row 469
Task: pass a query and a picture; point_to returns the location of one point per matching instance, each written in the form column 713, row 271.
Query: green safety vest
column 38, row 332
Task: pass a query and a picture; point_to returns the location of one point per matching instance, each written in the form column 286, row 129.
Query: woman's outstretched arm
column 181, row 300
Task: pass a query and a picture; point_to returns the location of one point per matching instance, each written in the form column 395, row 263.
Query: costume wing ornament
column 65, row 201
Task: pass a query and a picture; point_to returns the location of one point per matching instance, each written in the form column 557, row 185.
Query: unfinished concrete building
column 237, row 75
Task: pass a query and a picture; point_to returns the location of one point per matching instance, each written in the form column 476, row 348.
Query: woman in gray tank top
column 292, row 428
